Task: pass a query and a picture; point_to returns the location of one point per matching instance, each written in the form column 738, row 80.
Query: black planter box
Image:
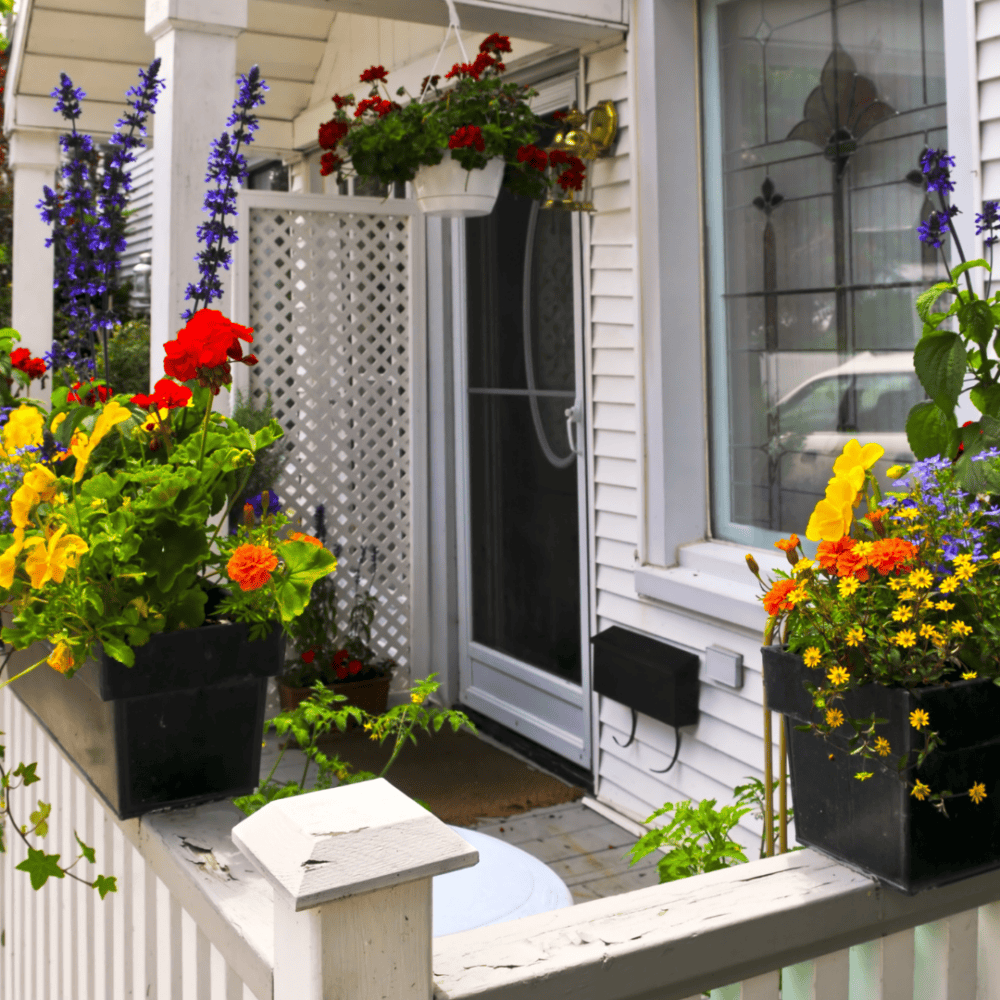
column 876, row 825
column 182, row 726
column 650, row 676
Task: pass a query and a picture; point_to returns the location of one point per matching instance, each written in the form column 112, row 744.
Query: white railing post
column 351, row 869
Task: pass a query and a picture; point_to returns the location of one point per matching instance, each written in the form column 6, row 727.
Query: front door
column 523, row 602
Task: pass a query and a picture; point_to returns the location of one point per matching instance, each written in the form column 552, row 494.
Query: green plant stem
column 28, row 670
column 204, row 433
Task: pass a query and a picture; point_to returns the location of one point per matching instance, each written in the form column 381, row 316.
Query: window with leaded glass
column 816, row 113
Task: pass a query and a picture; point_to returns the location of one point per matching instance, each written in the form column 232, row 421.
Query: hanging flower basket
column 447, row 188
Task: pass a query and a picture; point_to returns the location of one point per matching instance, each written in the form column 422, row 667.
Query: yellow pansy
column 831, row 519
column 50, row 561
column 24, row 428
column 854, row 456
column 40, row 484
column 8, row 558
column 61, row 658
column 83, row 445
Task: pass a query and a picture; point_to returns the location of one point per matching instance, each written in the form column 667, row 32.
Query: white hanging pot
column 447, row 188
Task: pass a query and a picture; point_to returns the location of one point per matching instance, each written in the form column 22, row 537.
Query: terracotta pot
column 447, row 188
column 371, row 695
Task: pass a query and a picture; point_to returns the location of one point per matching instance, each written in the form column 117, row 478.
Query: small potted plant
column 457, row 140
column 343, row 661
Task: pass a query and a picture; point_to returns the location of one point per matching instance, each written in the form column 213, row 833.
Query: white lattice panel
column 330, row 307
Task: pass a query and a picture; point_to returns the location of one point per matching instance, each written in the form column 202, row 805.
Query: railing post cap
column 346, row 841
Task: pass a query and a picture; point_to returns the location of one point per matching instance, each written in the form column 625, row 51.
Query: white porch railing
column 330, row 899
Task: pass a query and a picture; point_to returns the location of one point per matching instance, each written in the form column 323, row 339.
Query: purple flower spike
column 936, row 165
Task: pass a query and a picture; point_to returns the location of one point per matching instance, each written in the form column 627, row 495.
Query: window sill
column 713, row 580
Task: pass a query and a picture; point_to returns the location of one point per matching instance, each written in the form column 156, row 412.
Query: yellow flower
column 39, row 485
column 894, row 584
column 832, row 516
column 855, row 636
column 902, row 614
column 864, row 775
column 907, row 595
column 948, row 584
column 50, row 562
column 929, row 632
column 920, row 791
column 960, row 628
column 864, row 549
column 798, row 596
column 906, row 638
column 856, row 455
column 834, row 717
column 907, row 513
column 945, row 606
column 803, row 564
column 9, row 557
column 977, row 792
column 965, row 572
column 61, row 658
column 417, row 699
column 920, row 578
column 919, row 718
column 996, row 556
column 848, row 586
column 838, row 675
column 811, row 657
column 83, row 446
column 882, row 746
column 963, row 559
column 24, row 428
column 895, row 471
column 969, row 675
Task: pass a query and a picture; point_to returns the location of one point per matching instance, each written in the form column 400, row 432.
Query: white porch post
column 351, row 869
column 34, row 158
column 196, row 41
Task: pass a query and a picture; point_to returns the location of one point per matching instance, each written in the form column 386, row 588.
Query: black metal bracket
column 631, row 740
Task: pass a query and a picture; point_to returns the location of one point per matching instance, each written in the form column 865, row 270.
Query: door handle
column 574, row 415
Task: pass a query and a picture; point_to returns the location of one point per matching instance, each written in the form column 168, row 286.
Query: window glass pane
column 817, row 112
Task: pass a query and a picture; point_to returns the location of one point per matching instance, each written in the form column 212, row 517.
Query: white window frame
column 677, row 560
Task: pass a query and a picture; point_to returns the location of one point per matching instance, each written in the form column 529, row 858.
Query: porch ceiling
column 102, row 43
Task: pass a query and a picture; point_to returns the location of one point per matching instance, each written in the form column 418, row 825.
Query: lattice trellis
column 330, row 309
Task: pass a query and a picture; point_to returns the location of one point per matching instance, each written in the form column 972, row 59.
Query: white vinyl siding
column 988, row 49
column 139, row 226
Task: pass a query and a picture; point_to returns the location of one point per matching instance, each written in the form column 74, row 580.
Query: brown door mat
column 459, row 776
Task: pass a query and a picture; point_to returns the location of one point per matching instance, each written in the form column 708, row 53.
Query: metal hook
column 677, row 750
column 631, row 735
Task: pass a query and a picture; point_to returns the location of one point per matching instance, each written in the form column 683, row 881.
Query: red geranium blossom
column 331, row 132
column 533, row 156
column 354, row 666
column 101, row 393
column 328, row 164
column 340, row 656
column 495, row 43
column 341, row 673
column 376, row 104
column 167, row 395
column 467, row 135
column 22, row 360
column 374, row 74
column 309, row 655
column 342, row 102
column 204, row 348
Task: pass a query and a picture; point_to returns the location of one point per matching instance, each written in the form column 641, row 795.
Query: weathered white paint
column 34, row 157
column 359, row 861
column 199, row 64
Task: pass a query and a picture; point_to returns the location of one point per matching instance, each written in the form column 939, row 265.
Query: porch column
column 196, row 41
column 34, row 158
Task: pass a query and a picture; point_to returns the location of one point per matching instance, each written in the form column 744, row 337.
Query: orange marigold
column 250, row 566
column 299, row 536
column 775, row 599
column 828, row 553
column 787, row 544
column 849, row 563
column 889, row 554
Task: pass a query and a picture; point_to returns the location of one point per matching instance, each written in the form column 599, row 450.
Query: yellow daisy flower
column 864, row 775
column 811, row 657
column 920, row 578
column 849, row 585
column 894, row 584
column 965, row 572
column 969, row 675
column 906, row 638
column 996, row 556
column 908, row 595
column 903, row 614
column 920, row 791
column 838, row 675
column 962, row 560
column 919, row 718
column 948, row 584
column 882, row 746
column 929, row 632
column 945, row 606
column 960, row 628
column 834, row 717
column 908, row 513
column 803, row 564
column 977, row 792
column 855, row 636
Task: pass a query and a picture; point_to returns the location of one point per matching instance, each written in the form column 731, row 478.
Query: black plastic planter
column 875, row 825
column 182, row 726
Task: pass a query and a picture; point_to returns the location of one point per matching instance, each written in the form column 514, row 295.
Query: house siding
column 988, row 58
column 139, row 229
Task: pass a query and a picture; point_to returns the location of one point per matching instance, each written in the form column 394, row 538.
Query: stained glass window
column 816, row 113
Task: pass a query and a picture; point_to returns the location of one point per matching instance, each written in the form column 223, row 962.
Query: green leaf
column 956, row 272
column 41, row 867
column 121, row 651
column 940, row 364
column 39, row 818
column 27, row 773
column 103, row 486
column 930, row 431
column 85, row 851
column 105, row 884
column 976, row 321
column 305, row 563
column 986, row 399
column 926, row 299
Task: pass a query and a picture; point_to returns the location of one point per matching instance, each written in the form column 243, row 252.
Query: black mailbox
column 647, row 675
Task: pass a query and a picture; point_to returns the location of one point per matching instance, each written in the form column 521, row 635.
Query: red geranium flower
column 331, row 132
column 204, row 348
column 328, row 164
column 22, row 360
column 376, row 104
column 342, row 102
column 467, row 135
column 341, row 673
column 533, row 156
column 374, row 74
column 91, row 397
column 309, row 655
column 495, row 43
column 431, row 80
column 167, row 395
column 340, row 656
column 354, row 666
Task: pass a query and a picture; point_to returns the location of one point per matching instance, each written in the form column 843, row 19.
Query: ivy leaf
column 27, row 773
column 41, row 867
column 39, row 818
column 105, row 884
column 85, row 851
column 940, row 363
column 930, row 431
